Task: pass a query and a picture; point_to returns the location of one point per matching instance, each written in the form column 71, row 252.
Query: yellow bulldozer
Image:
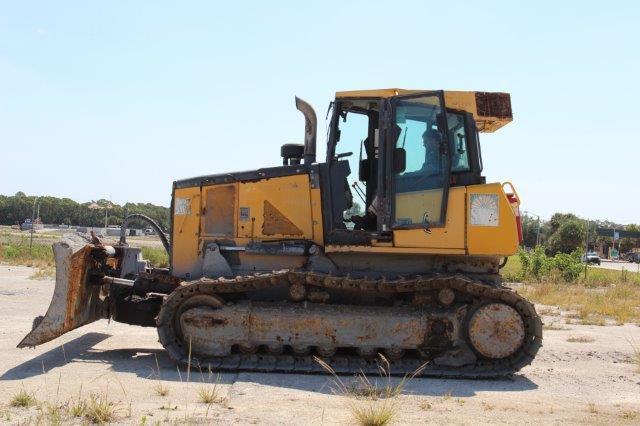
column 392, row 246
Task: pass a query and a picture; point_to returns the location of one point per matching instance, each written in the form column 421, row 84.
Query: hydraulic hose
column 152, row 223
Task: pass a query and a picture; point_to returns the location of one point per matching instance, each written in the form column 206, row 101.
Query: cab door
column 418, row 163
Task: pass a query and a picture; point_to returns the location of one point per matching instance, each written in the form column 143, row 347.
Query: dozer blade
column 75, row 301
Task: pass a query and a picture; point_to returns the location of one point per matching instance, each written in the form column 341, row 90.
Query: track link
column 348, row 364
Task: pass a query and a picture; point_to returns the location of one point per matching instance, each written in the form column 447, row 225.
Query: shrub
column 158, row 257
column 568, row 265
column 538, row 266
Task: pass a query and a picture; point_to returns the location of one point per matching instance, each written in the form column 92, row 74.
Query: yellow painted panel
column 412, row 207
column 449, row 237
column 186, row 227
column 461, row 100
column 284, row 197
column 220, row 212
column 500, row 237
column 385, row 249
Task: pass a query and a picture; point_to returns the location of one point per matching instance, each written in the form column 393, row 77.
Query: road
column 618, row 266
column 591, row 380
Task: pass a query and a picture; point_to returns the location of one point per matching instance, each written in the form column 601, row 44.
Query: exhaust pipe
column 310, row 126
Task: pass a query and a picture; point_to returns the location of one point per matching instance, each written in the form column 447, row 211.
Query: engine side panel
column 273, row 209
column 186, row 261
column 239, row 213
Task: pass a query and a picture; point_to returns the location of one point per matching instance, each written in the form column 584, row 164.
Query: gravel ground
column 583, row 374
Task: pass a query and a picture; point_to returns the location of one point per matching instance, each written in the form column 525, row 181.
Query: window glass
column 420, row 185
column 354, row 129
column 458, row 143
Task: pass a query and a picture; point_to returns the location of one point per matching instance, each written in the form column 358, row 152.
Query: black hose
column 504, row 262
column 151, row 222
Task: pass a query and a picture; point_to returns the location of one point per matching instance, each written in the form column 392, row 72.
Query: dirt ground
column 583, row 374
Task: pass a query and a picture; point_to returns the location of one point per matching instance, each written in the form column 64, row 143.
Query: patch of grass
column 596, row 277
column 99, row 409
column 636, row 355
column 374, row 404
column 592, row 319
column 553, row 326
column 40, row 255
column 53, row 413
column 157, row 256
column 425, row 405
column 161, row 389
column 548, row 310
column 76, row 408
column 580, row 339
column 620, row 301
column 378, row 413
column 44, row 273
column 168, row 407
column 23, row 399
column 208, row 394
column 487, row 406
column 629, row 415
column 591, row 408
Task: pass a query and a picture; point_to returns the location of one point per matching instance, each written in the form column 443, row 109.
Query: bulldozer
column 393, row 245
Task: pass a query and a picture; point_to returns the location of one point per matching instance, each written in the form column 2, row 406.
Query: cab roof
column 491, row 110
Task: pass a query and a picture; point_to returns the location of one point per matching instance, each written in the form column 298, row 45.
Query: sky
column 119, row 99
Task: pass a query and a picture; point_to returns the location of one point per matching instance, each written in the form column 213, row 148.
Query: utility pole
column 33, row 219
column 586, row 250
column 106, row 215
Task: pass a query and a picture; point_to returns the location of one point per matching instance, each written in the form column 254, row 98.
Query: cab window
column 458, row 143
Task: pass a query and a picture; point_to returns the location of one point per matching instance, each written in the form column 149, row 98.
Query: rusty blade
column 75, row 302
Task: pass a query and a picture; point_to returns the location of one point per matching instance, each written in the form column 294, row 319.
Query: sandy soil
column 590, row 381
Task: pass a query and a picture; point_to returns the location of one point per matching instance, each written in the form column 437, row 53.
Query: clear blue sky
column 121, row 98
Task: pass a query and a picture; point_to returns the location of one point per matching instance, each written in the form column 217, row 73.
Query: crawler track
column 476, row 292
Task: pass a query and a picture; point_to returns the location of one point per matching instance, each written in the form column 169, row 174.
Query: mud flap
column 75, row 302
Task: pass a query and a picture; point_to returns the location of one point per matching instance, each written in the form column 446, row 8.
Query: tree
column 627, row 244
column 568, row 236
column 557, row 220
column 356, row 209
column 64, row 210
column 530, row 230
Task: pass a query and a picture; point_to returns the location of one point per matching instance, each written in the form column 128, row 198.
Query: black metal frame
column 334, row 234
column 473, row 176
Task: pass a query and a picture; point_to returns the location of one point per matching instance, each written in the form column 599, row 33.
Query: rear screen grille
column 493, row 105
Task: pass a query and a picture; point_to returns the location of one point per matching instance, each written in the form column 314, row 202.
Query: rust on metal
column 496, row 330
column 494, row 104
column 427, row 333
column 205, row 321
column 297, row 292
column 446, row 296
column 219, row 210
column 76, row 290
column 75, row 302
column 276, row 223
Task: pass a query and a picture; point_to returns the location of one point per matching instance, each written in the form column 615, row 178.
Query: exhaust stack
column 310, row 127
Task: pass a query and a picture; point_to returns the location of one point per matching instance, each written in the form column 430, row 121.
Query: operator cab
column 391, row 161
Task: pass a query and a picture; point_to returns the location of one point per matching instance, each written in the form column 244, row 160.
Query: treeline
column 566, row 232
column 15, row 209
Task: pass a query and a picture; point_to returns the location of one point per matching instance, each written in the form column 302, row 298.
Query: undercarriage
column 456, row 325
column 279, row 321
